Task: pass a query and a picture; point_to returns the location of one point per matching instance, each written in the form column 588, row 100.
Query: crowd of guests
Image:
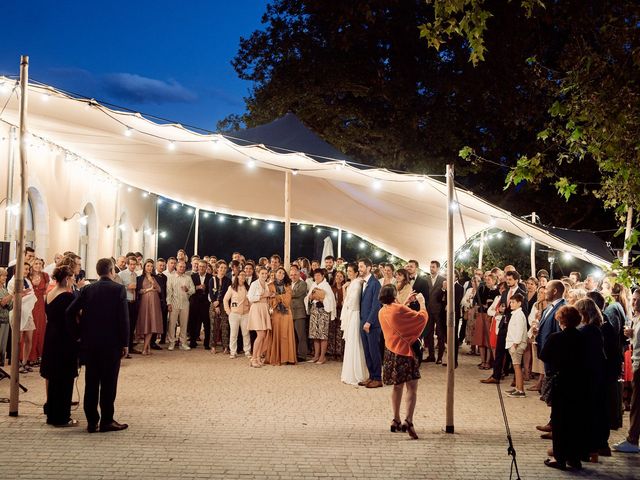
column 569, row 338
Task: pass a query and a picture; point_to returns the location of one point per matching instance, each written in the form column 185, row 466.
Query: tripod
column 4, row 374
column 510, row 450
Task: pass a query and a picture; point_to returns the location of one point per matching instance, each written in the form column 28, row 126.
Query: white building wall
column 60, row 188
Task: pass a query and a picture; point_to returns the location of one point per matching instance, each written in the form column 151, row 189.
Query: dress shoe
column 544, row 428
column 490, row 380
column 374, row 384
column 439, row 361
column 92, row 428
column 137, row 352
column 364, row 383
column 70, row 423
column 605, row 452
column 155, row 347
column 113, row 427
column 547, row 436
column 553, row 464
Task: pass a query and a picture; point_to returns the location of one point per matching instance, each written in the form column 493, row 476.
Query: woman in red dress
column 40, row 281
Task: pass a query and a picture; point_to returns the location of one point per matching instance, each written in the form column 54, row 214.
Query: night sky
column 166, row 58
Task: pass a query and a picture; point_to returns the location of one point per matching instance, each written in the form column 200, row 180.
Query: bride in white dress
column 354, row 367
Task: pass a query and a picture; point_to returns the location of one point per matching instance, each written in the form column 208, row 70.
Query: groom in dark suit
column 100, row 317
column 370, row 325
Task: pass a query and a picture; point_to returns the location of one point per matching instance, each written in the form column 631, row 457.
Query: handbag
column 546, row 391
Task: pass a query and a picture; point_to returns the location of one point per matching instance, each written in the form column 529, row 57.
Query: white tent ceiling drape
column 402, row 213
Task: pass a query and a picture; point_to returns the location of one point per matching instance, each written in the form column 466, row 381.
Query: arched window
column 88, row 237
column 29, row 224
column 122, row 238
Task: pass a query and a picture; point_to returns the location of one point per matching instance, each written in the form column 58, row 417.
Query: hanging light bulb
column 241, row 220
column 270, row 225
column 163, row 234
column 189, row 211
column 174, row 206
column 377, row 185
column 349, row 235
column 303, row 227
column 128, row 132
column 172, row 145
column 251, row 164
column 221, row 218
column 254, row 222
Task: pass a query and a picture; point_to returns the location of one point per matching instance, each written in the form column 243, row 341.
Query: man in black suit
column 100, row 317
column 435, row 307
column 513, row 286
column 199, row 306
column 458, row 294
column 161, row 278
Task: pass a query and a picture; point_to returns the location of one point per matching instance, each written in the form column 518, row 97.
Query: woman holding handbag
column 401, row 327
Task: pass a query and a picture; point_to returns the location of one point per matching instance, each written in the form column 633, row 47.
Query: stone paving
column 195, row 415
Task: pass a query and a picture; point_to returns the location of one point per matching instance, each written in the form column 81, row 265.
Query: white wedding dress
column 354, row 367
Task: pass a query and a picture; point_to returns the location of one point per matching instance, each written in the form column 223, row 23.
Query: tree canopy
column 362, row 75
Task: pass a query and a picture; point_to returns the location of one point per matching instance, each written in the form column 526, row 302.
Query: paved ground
column 192, row 415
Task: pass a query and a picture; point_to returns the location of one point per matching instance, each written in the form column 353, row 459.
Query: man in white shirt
column 52, row 266
column 129, row 279
column 179, row 288
column 171, row 267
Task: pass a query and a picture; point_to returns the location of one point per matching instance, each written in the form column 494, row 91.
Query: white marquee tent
column 404, row 214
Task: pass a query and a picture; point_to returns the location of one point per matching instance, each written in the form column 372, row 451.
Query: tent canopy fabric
column 588, row 240
column 404, row 214
column 288, row 134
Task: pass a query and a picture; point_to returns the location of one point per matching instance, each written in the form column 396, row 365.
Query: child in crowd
column 517, row 342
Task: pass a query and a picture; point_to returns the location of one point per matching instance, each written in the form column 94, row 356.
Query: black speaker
column 4, row 253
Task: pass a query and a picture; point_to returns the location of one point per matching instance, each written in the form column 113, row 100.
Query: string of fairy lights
column 216, row 140
column 271, row 225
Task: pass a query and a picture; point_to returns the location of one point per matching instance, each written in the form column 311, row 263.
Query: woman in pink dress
column 149, row 311
column 40, row 282
column 259, row 317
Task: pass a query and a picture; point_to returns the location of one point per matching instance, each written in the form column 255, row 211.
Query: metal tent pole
column 451, row 334
column 14, row 396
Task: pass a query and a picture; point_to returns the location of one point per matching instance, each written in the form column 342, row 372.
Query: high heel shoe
column 396, row 425
column 407, row 426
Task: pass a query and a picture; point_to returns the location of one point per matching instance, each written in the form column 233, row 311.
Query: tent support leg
column 14, row 392
column 451, row 310
column 287, row 220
